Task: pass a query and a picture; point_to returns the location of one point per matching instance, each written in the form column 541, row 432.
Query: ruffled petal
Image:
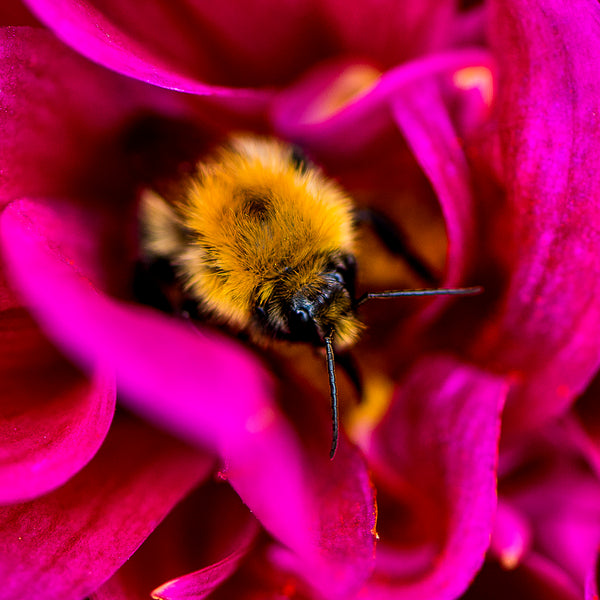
column 65, row 544
column 434, row 457
column 546, row 329
column 172, row 374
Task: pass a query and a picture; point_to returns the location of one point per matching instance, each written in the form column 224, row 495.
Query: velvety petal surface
column 548, row 114
column 64, row 545
column 434, row 458
column 205, row 388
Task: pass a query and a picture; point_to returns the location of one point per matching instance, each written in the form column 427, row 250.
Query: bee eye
column 302, row 315
column 338, row 276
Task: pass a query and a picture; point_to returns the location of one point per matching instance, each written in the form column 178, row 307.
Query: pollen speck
column 476, row 78
column 365, row 417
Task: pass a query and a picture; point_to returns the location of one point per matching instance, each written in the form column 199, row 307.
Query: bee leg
column 349, row 365
column 151, row 283
column 395, row 241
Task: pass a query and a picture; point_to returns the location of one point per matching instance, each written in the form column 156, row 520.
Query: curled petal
column 65, row 544
column 54, row 418
column 210, row 527
column 546, row 329
column 435, row 455
column 302, row 112
column 424, row 121
column 171, row 373
column 170, row 45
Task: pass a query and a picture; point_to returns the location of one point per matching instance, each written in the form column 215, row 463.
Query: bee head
column 323, row 306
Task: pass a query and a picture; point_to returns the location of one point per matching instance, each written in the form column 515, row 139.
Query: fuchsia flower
column 475, row 127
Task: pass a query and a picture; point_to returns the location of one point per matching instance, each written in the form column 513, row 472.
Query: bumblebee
column 264, row 243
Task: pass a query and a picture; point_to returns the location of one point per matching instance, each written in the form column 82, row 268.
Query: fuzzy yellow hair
column 254, row 225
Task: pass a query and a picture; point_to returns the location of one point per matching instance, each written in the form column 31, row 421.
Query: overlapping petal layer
column 181, row 378
column 435, row 454
column 547, row 232
column 65, row 544
column 211, row 529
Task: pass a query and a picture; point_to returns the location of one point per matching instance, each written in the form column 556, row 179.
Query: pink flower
column 482, row 151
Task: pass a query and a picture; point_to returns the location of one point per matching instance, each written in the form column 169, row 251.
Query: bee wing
column 163, row 234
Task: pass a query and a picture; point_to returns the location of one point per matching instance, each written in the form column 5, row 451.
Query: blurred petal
column 201, row 584
column 511, row 538
column 172, row 374
column 161, row 45
column 435, row 453
column 562, row 505
column 65, row 544
column 423, row 120
column 536, row 579
column 591, row 585
column 358, row 125
column 388, row 31
column 345, row 554
column 54, row 419
column 58, row 113
column 546, row 330
column 13, row 12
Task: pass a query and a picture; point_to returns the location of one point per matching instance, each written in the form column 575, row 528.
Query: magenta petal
column 425, row 124
column 210, row 527
column 65, row 544
column 591, row 585
column 172, row 374
column 53, row 418
column 363, row 121
column 92, row 33
column 200, row 584
column 548, row 326
column 57, row 110
column 345, row 553
column 437, row 450
column 54, row 421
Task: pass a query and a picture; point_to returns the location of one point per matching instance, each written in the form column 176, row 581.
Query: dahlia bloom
column 143, row 455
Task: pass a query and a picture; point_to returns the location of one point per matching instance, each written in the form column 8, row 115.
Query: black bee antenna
column 334, row 397
column 468, row 291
